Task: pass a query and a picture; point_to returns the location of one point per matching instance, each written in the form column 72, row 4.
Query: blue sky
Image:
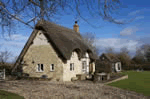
column 108, row 34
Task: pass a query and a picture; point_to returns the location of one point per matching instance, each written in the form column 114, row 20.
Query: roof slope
column 63, row 40
column 111, row 57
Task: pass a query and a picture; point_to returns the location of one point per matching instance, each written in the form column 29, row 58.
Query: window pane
column 70, row 66
column 42, row 67
column 52, row 66
column 83, row 64
column 39, row 67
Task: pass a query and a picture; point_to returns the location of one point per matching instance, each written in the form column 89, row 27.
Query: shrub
column 137, row 67
column 7, row 69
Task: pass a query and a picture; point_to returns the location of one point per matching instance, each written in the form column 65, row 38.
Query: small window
column 71, row 66
column 103, row 58
column 40, row 67
column 52, row 68
column 83, row 66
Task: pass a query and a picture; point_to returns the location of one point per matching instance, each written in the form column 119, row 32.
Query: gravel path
column 61, row 90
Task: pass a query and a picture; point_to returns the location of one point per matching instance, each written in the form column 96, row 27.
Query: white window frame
column 39, row 69
column 71, row 66
column 52, row 69
column 83, row 66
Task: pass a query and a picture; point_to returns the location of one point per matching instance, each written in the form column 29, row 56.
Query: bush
column 7, row 69
column 137, row 67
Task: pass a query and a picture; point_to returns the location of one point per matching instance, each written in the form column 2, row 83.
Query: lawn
column 137, row 81
column 8, row 95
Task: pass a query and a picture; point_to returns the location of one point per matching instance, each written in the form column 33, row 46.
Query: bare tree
column 109, row 50
column 4, row 56
column 142, row 54
column 90, row 39
column 124, row 56
column 28, row 12
column 124, row 50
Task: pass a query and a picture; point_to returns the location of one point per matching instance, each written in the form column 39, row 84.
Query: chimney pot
column 76, row 27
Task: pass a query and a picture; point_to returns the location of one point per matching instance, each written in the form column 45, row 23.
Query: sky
column 130, row 35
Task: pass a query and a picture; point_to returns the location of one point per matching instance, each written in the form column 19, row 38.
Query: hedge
column 145, row 67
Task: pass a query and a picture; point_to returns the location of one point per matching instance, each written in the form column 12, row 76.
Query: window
column 52, row 67
column 86, row 55
column 71, row 66
column 103, row 58
column 83, row 66
column 40, row 67
column 119, row 67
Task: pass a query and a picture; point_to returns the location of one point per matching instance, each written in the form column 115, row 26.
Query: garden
column 137, row 81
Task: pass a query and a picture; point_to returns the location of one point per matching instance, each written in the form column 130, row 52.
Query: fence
column 2, row 74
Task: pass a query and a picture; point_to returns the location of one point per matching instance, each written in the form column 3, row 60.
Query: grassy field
column 137, row 81
column 8, row 95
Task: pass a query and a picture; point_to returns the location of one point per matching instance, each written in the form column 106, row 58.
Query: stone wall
column 41, row 52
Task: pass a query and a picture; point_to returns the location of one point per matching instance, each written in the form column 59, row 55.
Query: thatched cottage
column 108, row 63
column 56, row 52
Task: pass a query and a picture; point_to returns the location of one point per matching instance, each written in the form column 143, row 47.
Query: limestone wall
column 67, row 74
column 41, row 52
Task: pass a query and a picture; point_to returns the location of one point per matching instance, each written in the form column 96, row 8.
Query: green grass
column 8, row 95
column 137, row 81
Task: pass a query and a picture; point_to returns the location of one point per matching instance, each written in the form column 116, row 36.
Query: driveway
column 61, row 90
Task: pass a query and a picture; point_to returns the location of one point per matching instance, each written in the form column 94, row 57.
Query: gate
column 2, row 74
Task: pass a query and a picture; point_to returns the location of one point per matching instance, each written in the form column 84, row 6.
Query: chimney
column 76, row 27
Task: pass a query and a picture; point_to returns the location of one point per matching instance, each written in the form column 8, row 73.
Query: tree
column 109, row 50
column 124, row 56
column 142, row 54
column 4, row 56
column 124, row 50
column 90, row 39
column 28, row 12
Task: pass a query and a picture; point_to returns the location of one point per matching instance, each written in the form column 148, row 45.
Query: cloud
column 15, row 40
column 139, row 17
column 129, row 31
column 14, row 44
column 116, row 43
column 134, row 12
column 15, row 37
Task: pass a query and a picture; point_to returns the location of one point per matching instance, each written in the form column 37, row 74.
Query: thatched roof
column 63, row 40
column 111, row 57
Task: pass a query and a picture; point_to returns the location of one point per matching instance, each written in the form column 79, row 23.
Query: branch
column 15, row 16
column 34, row 3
